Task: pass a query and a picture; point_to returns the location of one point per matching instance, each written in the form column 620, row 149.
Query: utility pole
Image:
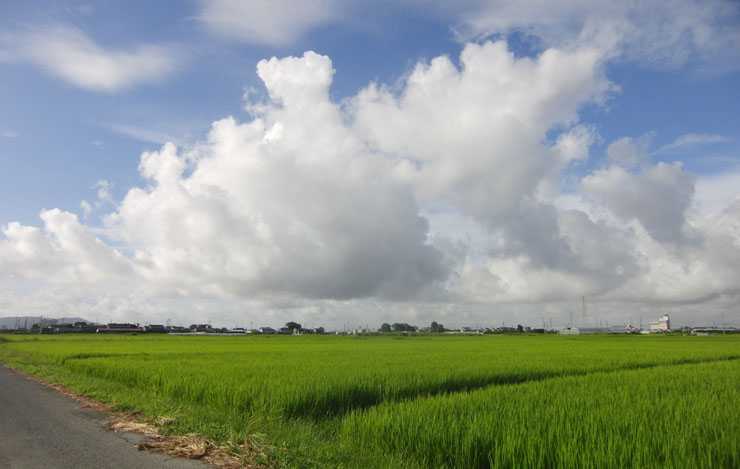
column 583, row 307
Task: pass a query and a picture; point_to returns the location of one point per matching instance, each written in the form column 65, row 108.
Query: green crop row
column 680, row 416
column 316, row 396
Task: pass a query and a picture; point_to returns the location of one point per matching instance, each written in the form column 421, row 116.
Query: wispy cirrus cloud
column 270, row 22
column 663, row 34
column 69, row 54
column 693, row 139
column 143, row 134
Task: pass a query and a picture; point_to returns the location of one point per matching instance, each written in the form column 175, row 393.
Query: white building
column 663, row 324
column 569, row 331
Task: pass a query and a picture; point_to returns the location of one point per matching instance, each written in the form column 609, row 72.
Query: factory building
column 663, row 324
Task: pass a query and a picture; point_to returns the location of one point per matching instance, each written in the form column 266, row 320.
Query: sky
column 347, row 163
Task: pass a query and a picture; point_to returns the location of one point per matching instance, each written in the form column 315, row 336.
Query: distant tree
column 319, row 330
column 385, row 327
column 293, row 326
column 402, row 327
column 519, row 328
column 436, row 327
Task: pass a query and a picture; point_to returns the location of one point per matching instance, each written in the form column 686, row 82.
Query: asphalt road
column 40, row 428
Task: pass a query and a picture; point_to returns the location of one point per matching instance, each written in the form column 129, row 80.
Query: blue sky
column 54, row 159
column 64, row 144
column 61, row 135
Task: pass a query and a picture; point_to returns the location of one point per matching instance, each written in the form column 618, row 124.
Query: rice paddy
column 427, row 401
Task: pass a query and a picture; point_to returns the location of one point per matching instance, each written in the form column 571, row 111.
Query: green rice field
column 419, row 401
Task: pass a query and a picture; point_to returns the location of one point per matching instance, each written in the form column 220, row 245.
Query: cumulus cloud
column 271, row 22
column 461, row 134
column 280, row 205
column 714, row 192
column 440, row 192
column 657, row 197
column 630, row 152
column 701, row 273
column 474, row 139
column 575, row 144
column 69, row 54
column 64, row 251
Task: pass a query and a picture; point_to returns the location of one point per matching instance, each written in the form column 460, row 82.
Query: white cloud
column 9, row 134
column 103, row 197
column 700, row 272
column 144, row 134
column 69, row 54
column 441, row 195
column 658, row 197
column 472, row 139
column 103, row 192
column 65, row 252
column 655, row 32
column 715, row 192
column 271, row 22
column 692, row 140
column 630, row 152
column 473, row 136
column 87, row 209
column 575, row 144
column 279, row 205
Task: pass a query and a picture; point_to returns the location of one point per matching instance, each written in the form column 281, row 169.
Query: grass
column 598, row 401
column 682, row 416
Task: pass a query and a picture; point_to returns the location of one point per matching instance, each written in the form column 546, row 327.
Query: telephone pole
column 583, row 307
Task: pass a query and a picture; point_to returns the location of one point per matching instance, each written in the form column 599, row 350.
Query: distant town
column 40, row 325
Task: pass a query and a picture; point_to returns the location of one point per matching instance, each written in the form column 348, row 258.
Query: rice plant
column 418, row 401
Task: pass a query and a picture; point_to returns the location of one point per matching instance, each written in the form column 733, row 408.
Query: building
column 569, row 331
column 663, row 324
column 200, row 328
column 116, row 328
